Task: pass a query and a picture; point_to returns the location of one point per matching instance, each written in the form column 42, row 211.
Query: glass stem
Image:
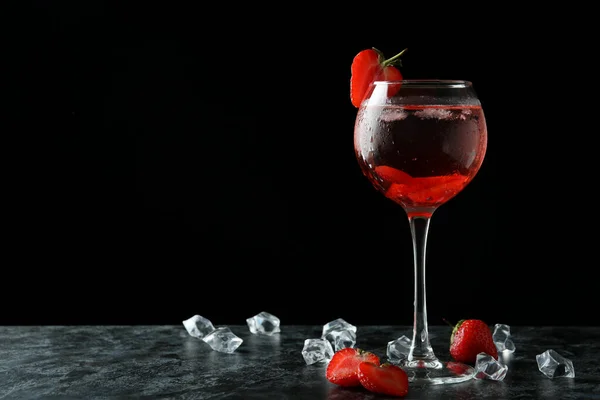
column 420, row 349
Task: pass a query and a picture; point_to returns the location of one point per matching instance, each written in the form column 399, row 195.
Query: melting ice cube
column 263, row 323
column 223, row 340
column 553, row 365
column 198, row 326
column 317, row 350
column 487, row 367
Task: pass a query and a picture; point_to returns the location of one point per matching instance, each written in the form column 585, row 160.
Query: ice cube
column 502, row 330
column 502, row 339
column 223, row 340
column 316, row 351
column 336, row 325
column 342, row 339
column 487, row 367
column 553, row 365
column 398, row 349
column 263, row 323
column 198, row 326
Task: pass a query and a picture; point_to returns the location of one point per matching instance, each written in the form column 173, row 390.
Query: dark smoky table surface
column 166, row 362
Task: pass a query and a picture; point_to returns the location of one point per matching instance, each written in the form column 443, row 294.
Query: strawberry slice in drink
column 392, row 175
column 428, row 191
column 437, row 189
column 449, row 181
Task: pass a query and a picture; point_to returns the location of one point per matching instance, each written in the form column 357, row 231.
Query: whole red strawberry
column 343, row 367
column 469, row 338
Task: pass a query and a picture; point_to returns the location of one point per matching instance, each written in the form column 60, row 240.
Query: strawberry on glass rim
column 368, row 66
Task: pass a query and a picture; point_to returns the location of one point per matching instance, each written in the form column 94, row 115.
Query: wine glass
column 420, row 142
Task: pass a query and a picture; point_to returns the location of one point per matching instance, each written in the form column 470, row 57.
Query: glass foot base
column 436, row 372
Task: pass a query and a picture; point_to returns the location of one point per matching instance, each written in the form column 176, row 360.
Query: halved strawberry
column 388, row 379
column 343, row 367
column 370, row 65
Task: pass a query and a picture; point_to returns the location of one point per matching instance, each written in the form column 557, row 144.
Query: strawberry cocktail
column 420, row 143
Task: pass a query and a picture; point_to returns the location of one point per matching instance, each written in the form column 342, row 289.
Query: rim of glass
column 429, row 83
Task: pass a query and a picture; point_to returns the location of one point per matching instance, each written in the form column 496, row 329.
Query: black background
column 173, row 161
